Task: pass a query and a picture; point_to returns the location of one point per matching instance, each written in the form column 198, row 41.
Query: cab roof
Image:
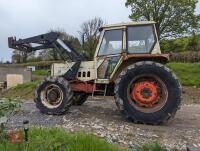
column 128, row 24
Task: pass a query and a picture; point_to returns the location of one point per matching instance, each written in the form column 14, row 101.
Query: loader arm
column 46, row 41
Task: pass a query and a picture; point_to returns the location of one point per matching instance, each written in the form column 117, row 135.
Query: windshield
column 141, row 39
column 111, row 43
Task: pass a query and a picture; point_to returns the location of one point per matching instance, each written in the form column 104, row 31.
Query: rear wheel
column 148, row 92
column 53, row 96
column 79, row 98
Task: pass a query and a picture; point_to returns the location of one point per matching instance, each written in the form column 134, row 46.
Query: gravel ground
column 101, row 118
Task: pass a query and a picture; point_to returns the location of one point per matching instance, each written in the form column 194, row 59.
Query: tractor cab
column 133, row 38
column 119, row 41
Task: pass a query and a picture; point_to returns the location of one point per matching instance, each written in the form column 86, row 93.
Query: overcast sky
column 25, row 18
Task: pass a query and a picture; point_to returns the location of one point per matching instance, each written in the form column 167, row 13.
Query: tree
column 172, row 17
column 31, row 56
column 16, row 57
column 90, row 35
column 72, row 41
column 193, row 43
column 52, row 54
column 22, row 56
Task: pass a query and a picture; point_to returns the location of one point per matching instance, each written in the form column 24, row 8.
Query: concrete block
column 14, row 79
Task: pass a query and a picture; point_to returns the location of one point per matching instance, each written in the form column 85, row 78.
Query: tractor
column 128, row 64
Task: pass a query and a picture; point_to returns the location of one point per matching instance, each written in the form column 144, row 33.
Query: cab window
column 141, row 39
column 111, row 43
column 106, row 69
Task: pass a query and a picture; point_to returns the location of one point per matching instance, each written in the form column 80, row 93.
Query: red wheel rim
column 147, row 93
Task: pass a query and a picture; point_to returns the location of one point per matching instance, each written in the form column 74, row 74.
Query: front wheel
column 147, row 92
column 53, row 96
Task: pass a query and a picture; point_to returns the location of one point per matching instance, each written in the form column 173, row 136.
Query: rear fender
column 133, row 58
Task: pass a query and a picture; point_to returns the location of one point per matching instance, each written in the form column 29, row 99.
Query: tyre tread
column 119, row 101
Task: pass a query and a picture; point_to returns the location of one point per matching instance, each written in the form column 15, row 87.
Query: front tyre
column 148, row 92
column 53, row 96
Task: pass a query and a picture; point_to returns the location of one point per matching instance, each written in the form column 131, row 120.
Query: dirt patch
column 102, row 118
column 191, row 95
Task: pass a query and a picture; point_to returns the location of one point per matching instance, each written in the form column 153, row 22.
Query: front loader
column 127, row 64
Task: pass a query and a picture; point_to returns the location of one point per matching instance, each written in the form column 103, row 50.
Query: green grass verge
column 24, row 91
column 56, row 139
column 41, row 72
column 188, row 73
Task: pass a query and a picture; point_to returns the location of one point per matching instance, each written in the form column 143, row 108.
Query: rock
column 127, row 128
column 102, row 135
column 97, row 126
column 110, row 129
column 192, row 148
column 154, row 135
column 140, row 134
column 3, row 120
column 83, row 126
column 133, row 146
column 114, row 139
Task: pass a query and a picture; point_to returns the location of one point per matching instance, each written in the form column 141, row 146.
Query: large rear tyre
column 148, row 92
column 53, row 96
column 79, row 98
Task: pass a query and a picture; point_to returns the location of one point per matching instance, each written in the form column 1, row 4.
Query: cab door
column 108, row 56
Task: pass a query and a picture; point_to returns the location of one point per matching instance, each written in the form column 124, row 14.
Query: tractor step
column 102, row 92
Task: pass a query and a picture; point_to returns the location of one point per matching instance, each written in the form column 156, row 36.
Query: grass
column 41, row 72
column 56, row 139
column 24, row 91
column 188, row 73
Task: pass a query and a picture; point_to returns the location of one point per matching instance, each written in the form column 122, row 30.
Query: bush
column 181, row 44
column 8, row 106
